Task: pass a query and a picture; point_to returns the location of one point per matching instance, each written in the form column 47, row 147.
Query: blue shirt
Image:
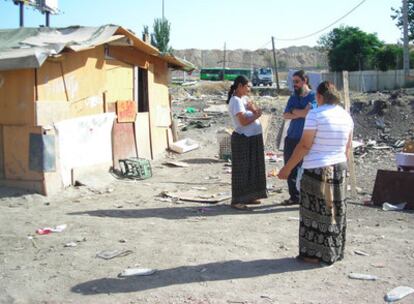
column 297, row 102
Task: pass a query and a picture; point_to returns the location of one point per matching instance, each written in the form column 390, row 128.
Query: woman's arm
column 245, row 119
column 301, row 150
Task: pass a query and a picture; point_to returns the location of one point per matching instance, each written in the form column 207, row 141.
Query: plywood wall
column 16, row 153
column 17, row 96
column 158, row 103
column 119, row 81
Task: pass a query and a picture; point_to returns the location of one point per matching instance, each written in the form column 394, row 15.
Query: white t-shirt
column 238, row 105
column 333, row 125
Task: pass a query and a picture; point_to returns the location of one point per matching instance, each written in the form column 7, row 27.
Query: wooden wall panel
column 17, row 96
column 1, row 153
column 84, row 73
column 142, row 135
column 119, row 81
column 51, row 82
column 158, row 97
column 16, row 153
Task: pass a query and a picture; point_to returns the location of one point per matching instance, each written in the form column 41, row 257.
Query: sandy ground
column 203, row 253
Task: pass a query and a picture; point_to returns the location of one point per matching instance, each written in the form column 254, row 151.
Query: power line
column 326, row 27
column 264, row 45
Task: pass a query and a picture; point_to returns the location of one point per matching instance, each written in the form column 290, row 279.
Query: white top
column 333, row 126
column 238, row 105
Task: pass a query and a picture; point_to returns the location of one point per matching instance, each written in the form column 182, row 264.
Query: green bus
column 229, row 73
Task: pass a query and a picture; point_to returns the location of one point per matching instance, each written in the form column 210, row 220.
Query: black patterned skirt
column 323, row 213
column 248, row 179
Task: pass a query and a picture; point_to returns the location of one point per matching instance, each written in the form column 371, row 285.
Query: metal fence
column 369, row 81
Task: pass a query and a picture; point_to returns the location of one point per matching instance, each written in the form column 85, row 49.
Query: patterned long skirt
column 248, row 180
column 323, row 213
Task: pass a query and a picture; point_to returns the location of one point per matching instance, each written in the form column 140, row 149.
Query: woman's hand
column 284, row 173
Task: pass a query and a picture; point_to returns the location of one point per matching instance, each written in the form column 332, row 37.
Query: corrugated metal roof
column 29, row 47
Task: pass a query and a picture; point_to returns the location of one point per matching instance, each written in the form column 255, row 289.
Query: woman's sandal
column 289, row 202
column 255, row 202
column 240, row 207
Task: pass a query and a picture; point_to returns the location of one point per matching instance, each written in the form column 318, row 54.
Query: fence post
column 347, row 103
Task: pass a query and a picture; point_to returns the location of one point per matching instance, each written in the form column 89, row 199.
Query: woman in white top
column 248, row 166
column 324, row 147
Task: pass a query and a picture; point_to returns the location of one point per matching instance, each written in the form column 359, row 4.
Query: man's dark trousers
column 290, row 145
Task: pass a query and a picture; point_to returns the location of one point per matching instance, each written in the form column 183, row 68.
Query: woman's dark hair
column 301, row 74
column 329, row 93
column 239, row 80
column 307, row 82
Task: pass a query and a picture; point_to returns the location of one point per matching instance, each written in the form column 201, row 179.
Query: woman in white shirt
column 248, row 166
column 324, row 147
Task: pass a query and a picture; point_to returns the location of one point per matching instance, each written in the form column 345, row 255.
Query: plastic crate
column 135, row 168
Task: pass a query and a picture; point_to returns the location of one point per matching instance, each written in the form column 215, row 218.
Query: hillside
column 292, row 57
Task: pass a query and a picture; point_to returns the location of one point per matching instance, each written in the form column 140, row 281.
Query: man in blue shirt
column 298, row 106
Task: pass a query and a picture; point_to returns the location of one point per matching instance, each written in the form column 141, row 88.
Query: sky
column 208, row 24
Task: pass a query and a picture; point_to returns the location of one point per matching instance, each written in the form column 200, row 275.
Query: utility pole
column 224, row 60
column 275, row 63
column 21, row 11
column 47, row 23
column 163, row 10
column 406, row 58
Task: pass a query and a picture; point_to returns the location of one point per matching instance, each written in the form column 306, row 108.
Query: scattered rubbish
column 109, row 190
column 164, row 199
column 199, row 188
column 137, row 272
column 192, row 196
column 190, row 110
column 378, row 265
column 212, row 177
column 110, row 254
column 71, row 244
column 361, row 276
column 184, row 145
column 359, row 252
column 227, row 170
column 224, row 140
column 292, row 218
column 196, row 124
column 398, row 293
column 391, row 207
column 48, row 230
column 404, row 159
column 177, row 164
column 272, row 173
column 273, row 157
column 122, row 241
column 217, row 109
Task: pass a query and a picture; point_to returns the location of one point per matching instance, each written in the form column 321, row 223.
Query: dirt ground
column 203, row 253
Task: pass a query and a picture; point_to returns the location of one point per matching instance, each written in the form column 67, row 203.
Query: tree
column 160, row 38
column 397, row 15
column 389, row 57
column 349, row 48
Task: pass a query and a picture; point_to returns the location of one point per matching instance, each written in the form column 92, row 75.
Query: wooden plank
column 126, row 110
column 17, row 96
column 84, row 73
column 119, row 81
column 1, row 153
column 130, row 55
column 123, row 142
column 142, row 135
column 351, row 164
column 158, row 97
column 16, row 153
column 50, row 82
column 265, row 121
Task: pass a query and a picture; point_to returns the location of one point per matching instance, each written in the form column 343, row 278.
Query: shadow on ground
column 176, row 213
column 217, row 271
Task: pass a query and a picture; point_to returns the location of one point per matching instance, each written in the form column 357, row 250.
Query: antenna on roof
column 47, row 7
column 21, row 4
